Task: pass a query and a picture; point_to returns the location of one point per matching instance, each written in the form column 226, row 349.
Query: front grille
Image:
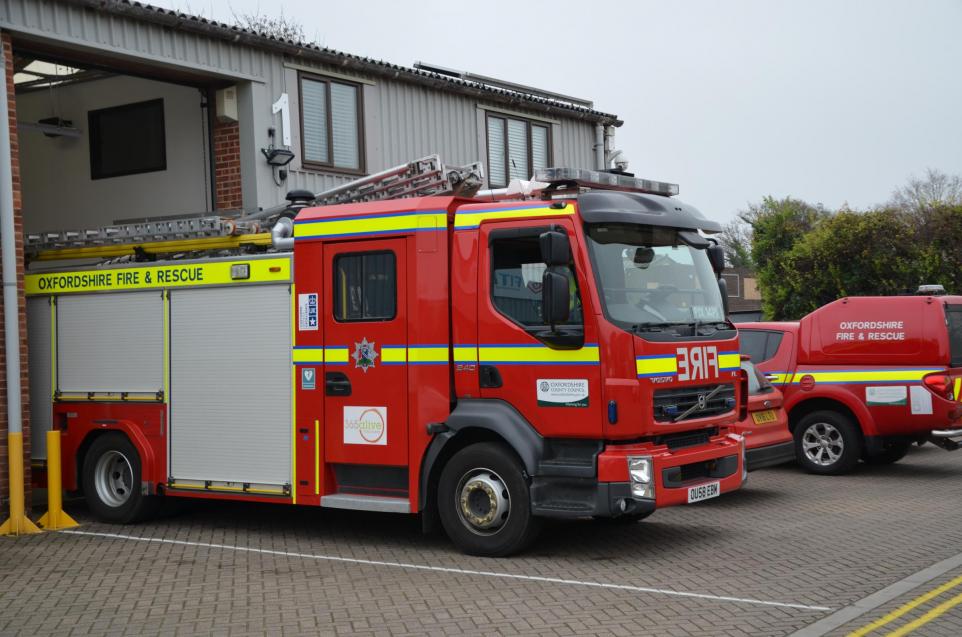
column 669, row 404
column 686, row 439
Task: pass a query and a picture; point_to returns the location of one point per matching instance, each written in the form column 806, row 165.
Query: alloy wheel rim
column 822, row 444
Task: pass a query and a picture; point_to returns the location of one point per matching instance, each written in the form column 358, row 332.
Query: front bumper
column 673, row 473
column 769, row 455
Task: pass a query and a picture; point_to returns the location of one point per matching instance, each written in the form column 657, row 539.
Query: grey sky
column 830, row 101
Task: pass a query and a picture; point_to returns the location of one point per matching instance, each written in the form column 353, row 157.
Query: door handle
column 337, row 384
column 489, row 377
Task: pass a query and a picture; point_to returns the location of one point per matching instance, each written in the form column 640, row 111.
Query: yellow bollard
column 18, row 523
column 55, row 518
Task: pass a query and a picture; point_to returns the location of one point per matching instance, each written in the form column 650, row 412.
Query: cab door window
column 365, row 286
column 516, row 274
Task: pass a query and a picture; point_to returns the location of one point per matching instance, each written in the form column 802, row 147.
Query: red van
column 768, row 441
column 865, row 377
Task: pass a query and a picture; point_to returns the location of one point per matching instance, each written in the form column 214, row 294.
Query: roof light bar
column 604, row 181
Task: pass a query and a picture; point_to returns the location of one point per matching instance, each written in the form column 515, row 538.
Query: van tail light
column 742, row 394
column 940, row 385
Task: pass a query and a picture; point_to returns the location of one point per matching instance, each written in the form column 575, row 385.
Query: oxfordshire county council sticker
column 364, row 355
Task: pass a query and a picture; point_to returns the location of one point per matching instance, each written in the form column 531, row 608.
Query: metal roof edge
column 305, row 51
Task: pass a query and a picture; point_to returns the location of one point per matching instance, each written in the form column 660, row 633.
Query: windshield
column 651, row 279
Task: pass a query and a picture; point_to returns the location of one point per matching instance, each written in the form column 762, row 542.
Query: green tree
column 852, row 254
column 777, row 225
column 736, row 239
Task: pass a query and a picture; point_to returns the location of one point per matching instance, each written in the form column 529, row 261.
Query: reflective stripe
column 955, row 388
column 305, row 354
column 658, row 365
column 465, row 353
column 394, row 355
column 728, row 361
column 427, row 354
column 533, row 354
column 390, row 223
column 866, row 375
column 473, row 218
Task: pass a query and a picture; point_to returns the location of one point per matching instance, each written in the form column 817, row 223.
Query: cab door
column 365, row 379
column 556, row 386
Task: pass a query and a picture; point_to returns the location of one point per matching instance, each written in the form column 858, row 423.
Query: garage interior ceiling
column 32, row 73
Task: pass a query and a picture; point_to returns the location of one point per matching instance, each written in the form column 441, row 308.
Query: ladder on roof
column 423, row 177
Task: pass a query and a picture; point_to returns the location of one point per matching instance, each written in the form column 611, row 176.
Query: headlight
column 640, row 472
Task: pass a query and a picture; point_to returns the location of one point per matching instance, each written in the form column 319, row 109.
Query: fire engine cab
column 487, row 360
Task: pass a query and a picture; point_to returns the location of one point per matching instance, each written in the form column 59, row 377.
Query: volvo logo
column 702, row 402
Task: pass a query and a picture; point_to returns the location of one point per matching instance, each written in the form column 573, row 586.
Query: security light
column 278, row 157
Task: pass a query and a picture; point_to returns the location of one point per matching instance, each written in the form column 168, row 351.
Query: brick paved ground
column 787, row 537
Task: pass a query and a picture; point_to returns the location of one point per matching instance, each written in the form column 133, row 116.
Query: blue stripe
column 654, row 356
column 307, row 362
column 657, row 374
column 381, row 215
column 729, row 352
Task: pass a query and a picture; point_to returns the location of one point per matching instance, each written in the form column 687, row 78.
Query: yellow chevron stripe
column 471, row 219
column 370, row 225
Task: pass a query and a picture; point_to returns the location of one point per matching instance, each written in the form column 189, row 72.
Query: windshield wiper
column 654, row 327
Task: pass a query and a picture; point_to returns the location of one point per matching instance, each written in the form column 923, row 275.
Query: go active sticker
column 562, row 392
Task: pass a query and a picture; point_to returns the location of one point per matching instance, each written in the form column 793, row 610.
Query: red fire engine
column 865, row 377
column 483, row 361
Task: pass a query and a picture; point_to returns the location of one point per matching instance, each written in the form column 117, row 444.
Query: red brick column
column 18, row 225
column 227, row 174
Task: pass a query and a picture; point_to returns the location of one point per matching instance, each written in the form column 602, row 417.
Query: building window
column 516, row 148
column 516, row 271
column 331, row 135
column 365, row 286
column 127, row 140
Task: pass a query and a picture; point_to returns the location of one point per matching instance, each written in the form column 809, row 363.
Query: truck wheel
column 827, row 443
column 892, row 451
column 111, row 481
column 484, row 502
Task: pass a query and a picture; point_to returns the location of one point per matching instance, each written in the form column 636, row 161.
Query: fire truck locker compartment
column 38, row 346
column 110, row 343
column 231, row 392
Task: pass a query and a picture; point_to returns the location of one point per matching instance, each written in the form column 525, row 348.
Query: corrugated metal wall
column 401, row 121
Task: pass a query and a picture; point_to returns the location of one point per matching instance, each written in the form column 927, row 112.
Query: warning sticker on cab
column 307, row 312
column 562, row 392
column 365, row 425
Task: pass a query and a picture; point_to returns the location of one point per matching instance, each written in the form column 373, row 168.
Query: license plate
column 704, row 492
column 763, row 417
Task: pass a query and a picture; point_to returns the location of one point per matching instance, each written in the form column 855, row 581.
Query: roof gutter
column 208, row 28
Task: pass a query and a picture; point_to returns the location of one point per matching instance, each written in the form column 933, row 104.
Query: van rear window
column 953, row 319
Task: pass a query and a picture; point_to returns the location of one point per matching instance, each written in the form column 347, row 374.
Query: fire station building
column 119, row 112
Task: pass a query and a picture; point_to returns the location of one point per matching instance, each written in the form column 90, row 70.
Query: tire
column 827, row 443
column 476, row 484
column 111, row 481
column 893, row 450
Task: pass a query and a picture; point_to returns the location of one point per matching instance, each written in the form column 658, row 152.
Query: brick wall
column 227, row 175
column 18, row 225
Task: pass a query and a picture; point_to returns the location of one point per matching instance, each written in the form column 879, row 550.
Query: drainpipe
column 17, row 523
column 600, row 147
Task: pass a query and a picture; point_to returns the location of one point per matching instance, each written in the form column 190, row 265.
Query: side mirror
column 555, row 249
column 716, row 255
column 723, row 288
column 555, row 297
